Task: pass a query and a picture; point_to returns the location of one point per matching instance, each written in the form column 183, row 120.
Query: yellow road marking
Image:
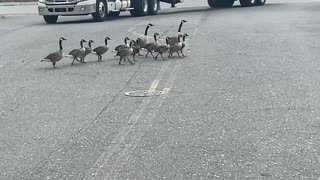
column 153, row 86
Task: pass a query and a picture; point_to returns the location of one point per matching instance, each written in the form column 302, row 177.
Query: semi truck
column 102, row 9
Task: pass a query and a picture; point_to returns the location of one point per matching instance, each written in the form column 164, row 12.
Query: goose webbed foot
column 73, row 61
column 152, row 54
column 182, row 54
column 147, row 54
column 157, row 56
column 134, row 59
column 178, row 54
column 162, row 57
column 129, row 61
column 54, row 64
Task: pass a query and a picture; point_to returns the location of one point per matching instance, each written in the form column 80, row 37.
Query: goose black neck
column 89, row 44
column 125, row 41
column 179, row 30
column 184, row 38
column 155, row 38
column 60, row 44
column 167, row 41
column 106, row 41
column 179, row 38
column 146, row 31
column 81, row 44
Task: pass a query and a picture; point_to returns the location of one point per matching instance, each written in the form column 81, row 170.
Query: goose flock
column 175, row 44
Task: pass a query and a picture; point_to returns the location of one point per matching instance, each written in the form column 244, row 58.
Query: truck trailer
column 102, row 9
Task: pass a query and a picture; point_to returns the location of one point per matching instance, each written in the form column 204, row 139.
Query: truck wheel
column 260, row 2
column 220, row 3
column 50, row 19
column 114, row 14
column 247, row 3
column 101, row 11
column 173, row 3
column 141, row 8
column 153, row 7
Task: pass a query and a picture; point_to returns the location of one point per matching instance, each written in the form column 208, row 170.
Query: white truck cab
column 100, row 9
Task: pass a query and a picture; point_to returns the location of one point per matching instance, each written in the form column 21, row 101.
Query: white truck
column 101, row 9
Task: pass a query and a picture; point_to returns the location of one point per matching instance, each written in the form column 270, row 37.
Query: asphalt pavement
column 242, row 104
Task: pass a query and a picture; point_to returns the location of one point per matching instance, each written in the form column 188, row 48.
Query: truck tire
column 114, row 14
column 141, row 8
column 101, row 11
column 260, row 2
column 154, row 7
column 50, row 19
column 220, row 3
column 247, row 3
column 173, row 3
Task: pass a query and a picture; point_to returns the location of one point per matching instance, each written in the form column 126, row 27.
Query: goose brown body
column 136, row 48
column 78, row 53
column 87, row 51
column 150, row 47
column 124, row 53
column 119, row 47
column 176, row 48
column 144, row 40
column 55, row 56
column 184, row 43
column 101, row 50
column 173, row 40
column 162, row 49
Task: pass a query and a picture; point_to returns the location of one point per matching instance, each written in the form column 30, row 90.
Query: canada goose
column 150, row 47
column 176, row 47
column 184, row 43
column 122, row 45
column 136, row 48
column 77, row 53
column 87, row 51
column 162, row 49
column 144, row 40
column 99, row 51
column 174, row 40
column 56, row 56
column 124, row 53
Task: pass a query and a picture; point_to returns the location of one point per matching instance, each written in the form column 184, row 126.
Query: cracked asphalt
column 243, row 104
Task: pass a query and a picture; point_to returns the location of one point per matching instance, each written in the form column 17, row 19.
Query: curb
column 18, row 3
